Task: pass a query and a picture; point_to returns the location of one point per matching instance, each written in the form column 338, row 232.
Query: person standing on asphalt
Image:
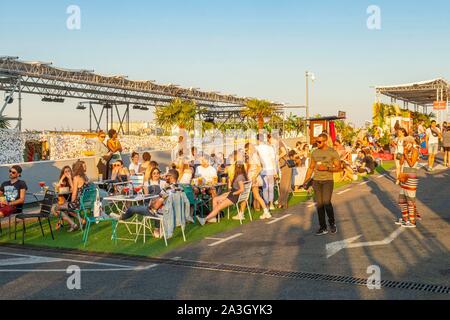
column 408, row 184
column 446, row 145
column 433, row 136
column 324, row 162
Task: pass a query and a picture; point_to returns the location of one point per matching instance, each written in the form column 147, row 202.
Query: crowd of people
column 274, row 170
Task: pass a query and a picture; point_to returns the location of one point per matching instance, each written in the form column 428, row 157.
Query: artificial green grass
column 100, row 234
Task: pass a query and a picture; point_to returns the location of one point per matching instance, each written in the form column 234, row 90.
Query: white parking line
column 363, row 183
column 279, row 219
column 381, row 176
column 225, row 240
column 139, row 268
column 312, row 205
column 31, row 259
column 342, row 192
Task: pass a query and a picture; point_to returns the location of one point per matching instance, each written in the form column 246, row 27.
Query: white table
column 120, row 203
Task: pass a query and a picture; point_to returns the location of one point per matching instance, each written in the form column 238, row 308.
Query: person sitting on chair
column 155, row 205
column 226, row 200
column 12, row 193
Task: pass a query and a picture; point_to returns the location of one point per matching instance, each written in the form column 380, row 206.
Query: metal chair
column 196, row 202
column 45, row 213
column 91, row 219
column 243, row 197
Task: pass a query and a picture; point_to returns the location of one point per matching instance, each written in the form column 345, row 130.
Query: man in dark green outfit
column 324, row 162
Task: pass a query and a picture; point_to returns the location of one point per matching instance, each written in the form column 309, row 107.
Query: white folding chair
column 243, row 197
column 146, row 222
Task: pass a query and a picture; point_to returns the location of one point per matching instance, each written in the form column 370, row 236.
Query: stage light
column 144, row 108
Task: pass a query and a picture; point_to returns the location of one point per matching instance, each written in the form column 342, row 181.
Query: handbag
column 399, row 156
column 291, row 163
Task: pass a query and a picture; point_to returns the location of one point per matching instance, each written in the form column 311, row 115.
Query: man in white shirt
column 269, row 170
column 433, row 136
column 205, row 170
column 134, row 165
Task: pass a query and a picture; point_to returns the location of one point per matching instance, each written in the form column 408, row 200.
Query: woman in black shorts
column 228, row 199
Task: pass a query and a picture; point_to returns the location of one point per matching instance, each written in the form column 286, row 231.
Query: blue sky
column 248, row 48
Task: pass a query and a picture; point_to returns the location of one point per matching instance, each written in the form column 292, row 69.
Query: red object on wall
column 332, row 131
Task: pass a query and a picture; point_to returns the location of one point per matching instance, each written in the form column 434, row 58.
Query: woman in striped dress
column 408, row 184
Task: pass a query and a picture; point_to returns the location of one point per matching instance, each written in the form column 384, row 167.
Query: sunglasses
column 13, row 172
column 320, row 141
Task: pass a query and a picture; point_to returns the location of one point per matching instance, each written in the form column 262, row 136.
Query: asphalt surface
column 366, row 211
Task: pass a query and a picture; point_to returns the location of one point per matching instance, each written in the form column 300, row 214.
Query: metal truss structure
column 54, row 84
column 420, row 94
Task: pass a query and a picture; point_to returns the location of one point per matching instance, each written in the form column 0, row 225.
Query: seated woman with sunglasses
column 155, row 184
column 119, row 172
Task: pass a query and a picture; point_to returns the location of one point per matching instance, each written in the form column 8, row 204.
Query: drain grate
column 306, row 276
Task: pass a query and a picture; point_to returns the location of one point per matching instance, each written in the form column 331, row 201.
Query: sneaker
column 333, row 229
column 418, row 217
column 399, row 222
column 397, row 182
column 321, row 232
column 73, row 228
column 202, row 221
column 409, row 225
column 114, row 216
column 238, row 217
column 263, row 216
column 213, row 220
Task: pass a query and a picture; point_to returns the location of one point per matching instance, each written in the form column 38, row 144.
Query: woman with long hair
column 226, row 200
column 155, row 184
column 65, row 181
column 254, row 168
column 285, row 186
column 398, row 153
column 79, row 182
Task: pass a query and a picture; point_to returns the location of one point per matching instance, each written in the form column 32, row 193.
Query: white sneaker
column 267, row 214
column 408, row 225
column 238, row 217
column 114, row 216
column 213, row 220
column 272, row 207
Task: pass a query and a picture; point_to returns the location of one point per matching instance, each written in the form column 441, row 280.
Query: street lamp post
column 307, row 76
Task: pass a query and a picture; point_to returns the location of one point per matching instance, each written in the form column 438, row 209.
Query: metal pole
column 128, row 119
column 20, row 106
column 90, row 117
column 307, row 109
